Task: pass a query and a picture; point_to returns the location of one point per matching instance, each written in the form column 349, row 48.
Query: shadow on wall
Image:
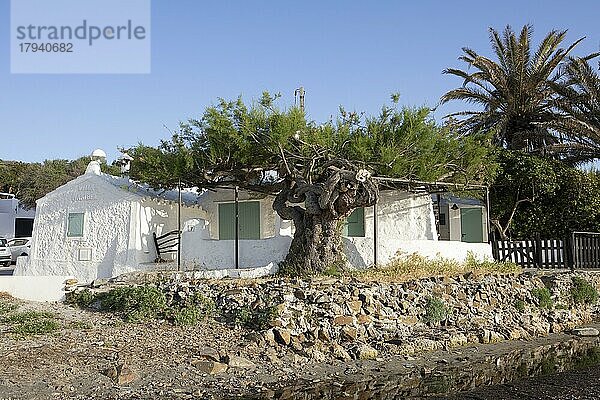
column 199, row 251
column 106, row 267
column 157, row 223
column 353, row 255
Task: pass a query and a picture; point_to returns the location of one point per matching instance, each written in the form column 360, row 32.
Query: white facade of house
column 117, row 229
column 99, row 226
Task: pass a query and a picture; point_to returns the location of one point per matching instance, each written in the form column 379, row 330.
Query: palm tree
column 516, row 93
column 580, row 102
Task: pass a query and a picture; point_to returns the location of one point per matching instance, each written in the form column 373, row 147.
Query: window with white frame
column 75, row 225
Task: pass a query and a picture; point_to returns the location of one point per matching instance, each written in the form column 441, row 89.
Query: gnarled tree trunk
column 317, row 242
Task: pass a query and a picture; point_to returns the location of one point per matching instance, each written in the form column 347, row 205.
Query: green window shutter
column 249, row 220
column 226, row 221
column 354, row 226
column 75, row 225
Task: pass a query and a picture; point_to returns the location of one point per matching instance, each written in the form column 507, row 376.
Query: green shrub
column 194, row 309
column 583, row 292
column 520, row 305
column 36, row 327
column 332, row 271
column 6, row 307
column 82, row 299
column 134, row 303
column 435, row 311
column 257, row 319
column 543, row 296
column 28, row 323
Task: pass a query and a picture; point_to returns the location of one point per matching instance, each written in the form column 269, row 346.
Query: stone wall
column 344, row 318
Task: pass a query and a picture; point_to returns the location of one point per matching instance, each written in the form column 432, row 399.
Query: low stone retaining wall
column 35, row 288
column 353, row 319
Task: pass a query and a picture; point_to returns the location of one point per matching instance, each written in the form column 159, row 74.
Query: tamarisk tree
column 317, row 173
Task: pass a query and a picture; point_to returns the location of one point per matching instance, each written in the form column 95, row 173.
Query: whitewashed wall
column 118, row 229
column 401, row 217
column 106, row 231
column 201, row 248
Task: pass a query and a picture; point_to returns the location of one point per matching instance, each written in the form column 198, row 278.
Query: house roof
column 189, row 196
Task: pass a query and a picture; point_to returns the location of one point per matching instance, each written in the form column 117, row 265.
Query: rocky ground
column 94, row 355
column 276, row 338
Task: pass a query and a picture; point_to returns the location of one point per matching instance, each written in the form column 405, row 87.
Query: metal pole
column 488, row 211
column 237, row 229
column 375, row 234
column 179, row 226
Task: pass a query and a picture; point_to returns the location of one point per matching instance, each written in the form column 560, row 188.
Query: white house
column 15, row 220
column 99, row 226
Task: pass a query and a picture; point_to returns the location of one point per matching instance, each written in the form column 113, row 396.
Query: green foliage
column 6, row 307
column 583, row 292
column 543, row 297
column 416, row 266
column 580, row 100
column 515, row 94
column 259, row 318
column 233, row 138
column 436, row 311
column 36, row 327
column 134, row 303
column 551, row 198
column 332, row 271
column 32, row 181
column 194, row 309
column 83, row 325
column 29, row 323
column 519, row 305
column 83, row 299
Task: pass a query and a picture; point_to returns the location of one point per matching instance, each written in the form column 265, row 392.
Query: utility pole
column 299, row 96
column 179, row 225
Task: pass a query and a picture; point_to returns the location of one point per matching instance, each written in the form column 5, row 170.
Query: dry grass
column 6, row 296
column 415, row 267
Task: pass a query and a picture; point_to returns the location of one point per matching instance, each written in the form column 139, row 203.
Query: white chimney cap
column 98, row 153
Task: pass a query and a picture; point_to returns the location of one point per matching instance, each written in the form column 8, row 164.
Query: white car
column 5, row 256
column 19, row 247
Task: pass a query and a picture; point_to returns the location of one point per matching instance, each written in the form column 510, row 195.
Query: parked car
column 19, row 247
column 5, row 256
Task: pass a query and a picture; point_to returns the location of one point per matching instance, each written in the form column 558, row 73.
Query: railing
column 586, row 250
column 167, row 243
column 579, row 250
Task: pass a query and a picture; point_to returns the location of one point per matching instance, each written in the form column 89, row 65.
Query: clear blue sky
column 343, row 52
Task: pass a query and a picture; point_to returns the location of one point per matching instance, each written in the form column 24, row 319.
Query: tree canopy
column 517, row 94
column 543, row 109
column 32, row 181
column 319, row 172
column 534, row 195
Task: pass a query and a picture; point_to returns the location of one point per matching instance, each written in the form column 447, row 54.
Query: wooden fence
column 579, row 250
